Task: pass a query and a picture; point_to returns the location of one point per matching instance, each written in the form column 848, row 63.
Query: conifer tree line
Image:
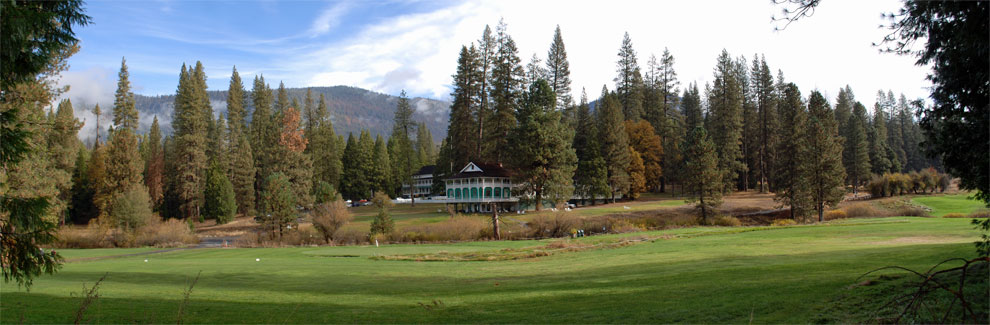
column 638, row 136
column 759, row 132
column 218, row 166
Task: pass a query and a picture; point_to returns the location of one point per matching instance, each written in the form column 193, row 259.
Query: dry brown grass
column 784, row 222
column 979, row 214
column 835, row 214
column 725, row 221
column 156, row 233
column 954, row 215
column 458, row 228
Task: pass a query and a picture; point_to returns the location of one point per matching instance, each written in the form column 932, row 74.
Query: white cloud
column 328, row 19
column 88, row 88
column 418, row 52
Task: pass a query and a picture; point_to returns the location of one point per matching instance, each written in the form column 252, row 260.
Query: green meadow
column 696, row 275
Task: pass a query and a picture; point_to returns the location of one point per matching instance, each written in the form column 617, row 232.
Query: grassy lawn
column 696, row 275
column 944, row 204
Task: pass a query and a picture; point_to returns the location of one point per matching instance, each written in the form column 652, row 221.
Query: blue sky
column 387, row 46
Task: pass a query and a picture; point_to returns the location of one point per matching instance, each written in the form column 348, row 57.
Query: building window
column 498, row 192
column 450, row 193
column 474, row 192
column 488, row 192
column 457, row 193
column 505, row 192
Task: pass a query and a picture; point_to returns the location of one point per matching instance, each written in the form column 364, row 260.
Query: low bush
column 861, row 210
column 555, row 224
column 725, row 221
column 303, row 236
column 351, row 236
column 979, row 214
column 784, row 222
column 169, row 233
column 912, row 211
column 329, row 217
column 835, row 214
column 954, row 215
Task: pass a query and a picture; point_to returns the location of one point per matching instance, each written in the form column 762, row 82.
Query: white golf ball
column 146, row 261
column 257, row 260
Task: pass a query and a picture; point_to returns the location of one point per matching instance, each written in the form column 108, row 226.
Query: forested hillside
column 351, row 109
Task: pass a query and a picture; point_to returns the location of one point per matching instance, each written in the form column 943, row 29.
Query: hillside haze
column 351, row 109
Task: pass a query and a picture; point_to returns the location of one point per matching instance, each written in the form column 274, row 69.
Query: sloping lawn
column 944, row 204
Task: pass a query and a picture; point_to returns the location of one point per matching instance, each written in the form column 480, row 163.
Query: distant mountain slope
column 351, row 109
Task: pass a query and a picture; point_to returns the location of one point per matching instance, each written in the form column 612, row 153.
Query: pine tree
column 791, row 169
column 766, row 108
column 691, row 105
column 542, row 156
column 292, row 162
column 703, row 179
column 879, row 157
column 154, row 168
column 63, row 150
column 125, row 115
column 843, row 109
column 559, row 71
column 264, row 135
column 241, row 169
column 81, row 208
column 615, row 144
column 749, row 141
column 591, row 176
column 123, row 161
column 404, row 158
column 669, row 121
column 725, row 119
column 629, row 81
column 425, row 148
column 856, row 155
column 219, row 202
column 895, row 137
column 826, row 174
column 325, row 150
column 534, row 70
column 507, row 88
column 356, row 181
column 278, row 205
column 460, row 137
column 383, row 223
column 191, row 107
column 382, row 166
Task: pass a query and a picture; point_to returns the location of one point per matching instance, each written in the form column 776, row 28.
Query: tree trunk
column 821, row 212
column 539, row 199
column 495, row 230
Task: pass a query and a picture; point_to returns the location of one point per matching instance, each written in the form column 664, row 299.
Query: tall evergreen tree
column 691, row 105
column 264, row 134
column 856, row 155
column 792, row 187
column 542, row 156
column 507, row 88
column 826, row 174
column 629, row 81
column 242, row 176
column 292, row 162
column 591, row 175
column 879, row 150
column 534, row 70
column 324, row 148
column 123, row 161
column 404, row 158
column 703, row 179
column 615, row 144
column 766, row 108
column 425, row 148
column 725, row 119
column 843, row 109
column 895, row 137
column 460, row 137
column 355, row 181
column 63, row 149
column 191, row 103
column 382, row 181
column 125, row 115
column 154, row 168
column 559, row 70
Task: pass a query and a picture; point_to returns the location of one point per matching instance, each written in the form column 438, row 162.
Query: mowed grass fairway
column 697, row 275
